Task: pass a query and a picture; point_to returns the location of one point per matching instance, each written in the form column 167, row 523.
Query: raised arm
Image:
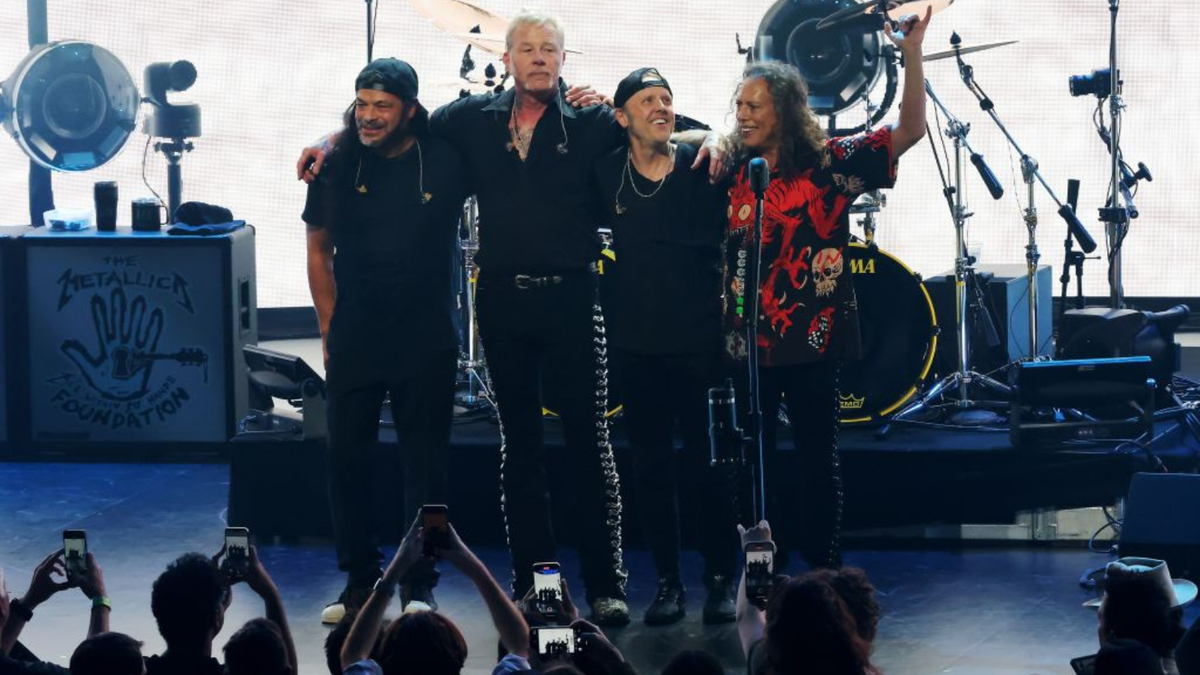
column 361, row 638
column 514, row 633
column 911, row 126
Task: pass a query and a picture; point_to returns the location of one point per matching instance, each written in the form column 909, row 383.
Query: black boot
column 720, row 606
column 668, row 605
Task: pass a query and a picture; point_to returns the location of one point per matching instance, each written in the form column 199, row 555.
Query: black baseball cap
column 642, row 78
column 394, row 77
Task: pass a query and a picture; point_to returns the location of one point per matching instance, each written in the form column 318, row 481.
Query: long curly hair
column 811, row 630
column 802, row 141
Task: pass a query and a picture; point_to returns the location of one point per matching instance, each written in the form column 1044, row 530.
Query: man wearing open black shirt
column 381, row 240
column 668, row 225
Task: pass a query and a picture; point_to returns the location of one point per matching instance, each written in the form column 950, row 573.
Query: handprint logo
column 126, row 335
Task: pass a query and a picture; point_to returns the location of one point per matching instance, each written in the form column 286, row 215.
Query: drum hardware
column 955, row 389
column 470, row 363
column 937, row 56
column 881, row 9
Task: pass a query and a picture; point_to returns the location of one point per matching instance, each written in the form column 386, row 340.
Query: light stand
column 1029, row 172
column 961, row 380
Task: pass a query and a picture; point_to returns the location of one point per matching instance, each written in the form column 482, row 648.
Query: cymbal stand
column 954, row 390
column 1030, row 173
column 471, row 361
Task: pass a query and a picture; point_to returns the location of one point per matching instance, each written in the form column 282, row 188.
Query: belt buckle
column 524, row 282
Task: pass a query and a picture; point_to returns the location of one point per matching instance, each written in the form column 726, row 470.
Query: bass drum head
column 899, row 336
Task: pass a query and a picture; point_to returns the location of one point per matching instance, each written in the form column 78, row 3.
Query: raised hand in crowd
column 259, row 581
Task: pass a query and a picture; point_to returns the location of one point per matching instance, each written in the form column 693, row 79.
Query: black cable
column 145, row 152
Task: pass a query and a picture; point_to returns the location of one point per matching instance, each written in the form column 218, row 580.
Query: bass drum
column 899, row 336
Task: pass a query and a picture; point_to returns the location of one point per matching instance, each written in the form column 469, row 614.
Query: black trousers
column 557, row 329
column 811, row 394
column 422, row 408
column 659, row 392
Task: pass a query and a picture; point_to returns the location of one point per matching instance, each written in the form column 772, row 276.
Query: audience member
column 422, row 642
column 108, row 654
column 337, row 638
column 1127, row 657
column 49, row 577
column 257, row 648
column 189, row 600
column 807, row 627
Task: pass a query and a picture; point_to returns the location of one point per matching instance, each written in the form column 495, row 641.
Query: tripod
column 955, row 389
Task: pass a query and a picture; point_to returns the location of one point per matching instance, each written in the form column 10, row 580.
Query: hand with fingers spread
column 715, row 151
column 759, row 533
column 125, row 335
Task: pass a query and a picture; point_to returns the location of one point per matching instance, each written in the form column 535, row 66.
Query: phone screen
column 555, row 640
column 237, row 548
column 760, row 569
column 435, row 519
column 547, row 584
column 75, row 551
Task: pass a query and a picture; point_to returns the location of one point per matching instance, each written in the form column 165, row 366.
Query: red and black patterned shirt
column 808, row 310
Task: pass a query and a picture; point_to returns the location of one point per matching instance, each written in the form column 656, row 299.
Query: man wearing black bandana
column 667, row 224
column 382, row 231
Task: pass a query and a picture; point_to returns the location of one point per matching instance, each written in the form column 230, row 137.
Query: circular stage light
column 70, row 105
column 840, row 65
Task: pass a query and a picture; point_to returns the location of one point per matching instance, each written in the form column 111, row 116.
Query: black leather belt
column 526, row 282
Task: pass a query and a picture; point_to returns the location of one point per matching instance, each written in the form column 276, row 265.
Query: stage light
column 70, row 105
column 841, row 66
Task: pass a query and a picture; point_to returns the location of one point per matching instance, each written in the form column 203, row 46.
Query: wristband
column 19, row 610
column 101, row 601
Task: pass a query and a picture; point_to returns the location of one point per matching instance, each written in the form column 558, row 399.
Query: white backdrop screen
column 274, row 75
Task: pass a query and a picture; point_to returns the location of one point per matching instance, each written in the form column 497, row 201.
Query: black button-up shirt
column 537, row 216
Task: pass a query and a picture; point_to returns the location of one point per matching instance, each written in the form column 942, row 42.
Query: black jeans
column 422, row 409
column 657, row 392
column 811, row 393
column 558, row 329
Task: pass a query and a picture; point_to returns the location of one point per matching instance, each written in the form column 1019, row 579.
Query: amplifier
column 1005, row 298
column 136, row 337
column 1083, row 399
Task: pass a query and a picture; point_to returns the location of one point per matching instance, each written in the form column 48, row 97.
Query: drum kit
column 899, row 327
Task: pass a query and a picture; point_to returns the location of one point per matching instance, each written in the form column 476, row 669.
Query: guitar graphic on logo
column 127, row 338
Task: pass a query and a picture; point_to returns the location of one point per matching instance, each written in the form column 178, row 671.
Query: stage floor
column 962, row 610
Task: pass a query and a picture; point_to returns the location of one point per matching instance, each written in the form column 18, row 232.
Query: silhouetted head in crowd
column 1127, row 657
column 811, row 630
column 257, row 648
column 189, row 601
column 852, row 585
column 694, row 662
column 108, row 654
column 421, row 643
column 1136, row 607
column 335, row 640
column 562, row 669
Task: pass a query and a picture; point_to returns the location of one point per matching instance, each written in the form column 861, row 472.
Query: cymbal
column 459, row 16
column 895, row 9
column 949, row 53
column 492, row 43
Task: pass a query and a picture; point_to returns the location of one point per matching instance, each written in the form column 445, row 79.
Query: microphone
column 988, row 177
column 1073, row 194
column 760, row 176
column 1081, row 235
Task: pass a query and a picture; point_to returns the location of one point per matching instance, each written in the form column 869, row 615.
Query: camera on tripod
column 1098, row 83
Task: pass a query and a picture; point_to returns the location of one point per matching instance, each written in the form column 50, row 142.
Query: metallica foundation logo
column 116, row 382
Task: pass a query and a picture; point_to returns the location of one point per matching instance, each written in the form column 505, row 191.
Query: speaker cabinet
column 1162, row 520
column 1005, row 298
column 136, row 337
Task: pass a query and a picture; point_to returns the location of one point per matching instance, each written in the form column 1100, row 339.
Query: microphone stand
column 752, row 307
column 961, row 380
column 1114, row 215
column 1029, row 172
column 370, row 32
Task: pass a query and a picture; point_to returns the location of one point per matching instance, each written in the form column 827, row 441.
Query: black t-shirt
column 537, row 216
column 394, row 258
column 167, row 665
column 666, row 282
